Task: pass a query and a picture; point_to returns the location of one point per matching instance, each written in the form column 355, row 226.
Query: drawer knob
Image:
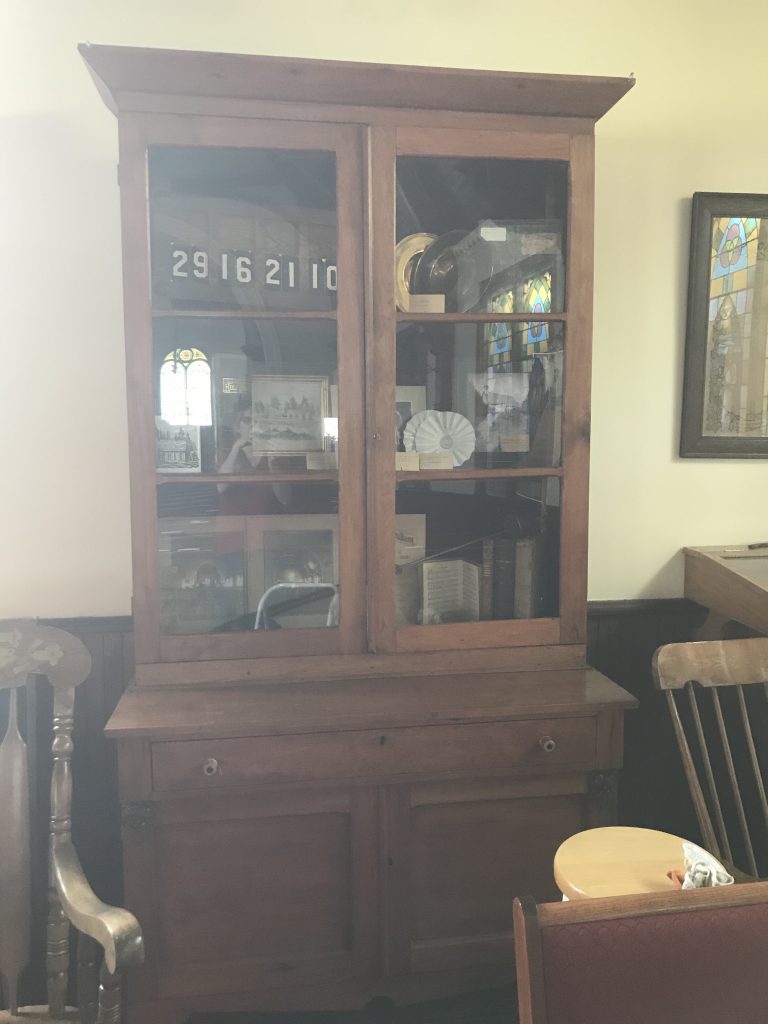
column 547, row 744
column 211, row 766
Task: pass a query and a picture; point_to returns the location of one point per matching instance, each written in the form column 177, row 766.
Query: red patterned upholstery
column 703, row 967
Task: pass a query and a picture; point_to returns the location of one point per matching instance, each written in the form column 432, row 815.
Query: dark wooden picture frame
column 724, row 320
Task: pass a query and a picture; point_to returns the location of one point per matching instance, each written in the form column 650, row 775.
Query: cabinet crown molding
column 124, row 71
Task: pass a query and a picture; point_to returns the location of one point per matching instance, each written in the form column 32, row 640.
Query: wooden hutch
column 358, row 309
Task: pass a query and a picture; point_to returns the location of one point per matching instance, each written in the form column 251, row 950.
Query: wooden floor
column 493, row 1007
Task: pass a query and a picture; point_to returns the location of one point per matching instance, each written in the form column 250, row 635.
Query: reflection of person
column 240, row 458
column 247, row 499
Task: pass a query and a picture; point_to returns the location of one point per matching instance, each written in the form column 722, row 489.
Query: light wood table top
column 617, row 861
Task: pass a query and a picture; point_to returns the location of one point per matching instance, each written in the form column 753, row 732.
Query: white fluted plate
column 409, row 432
column 445, row 432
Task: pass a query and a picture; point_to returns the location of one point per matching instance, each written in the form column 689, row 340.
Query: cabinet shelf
column 480, row 318
column 278, row 476
column 242, row 314
column 477, row 474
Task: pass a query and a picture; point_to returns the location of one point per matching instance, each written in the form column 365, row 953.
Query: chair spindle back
column 724, row 740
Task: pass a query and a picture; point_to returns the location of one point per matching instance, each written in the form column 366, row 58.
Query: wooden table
column 617, row 861
column 732, row 582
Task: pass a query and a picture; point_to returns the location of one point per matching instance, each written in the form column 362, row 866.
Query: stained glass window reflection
column 735, row 399
column 185, row 388
column 538, row 299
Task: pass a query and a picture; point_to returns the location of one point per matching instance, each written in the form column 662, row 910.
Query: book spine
column 526, row 589
column 504, row 578
column 486, row 580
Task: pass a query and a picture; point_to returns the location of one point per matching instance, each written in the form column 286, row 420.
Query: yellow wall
column 694, row 122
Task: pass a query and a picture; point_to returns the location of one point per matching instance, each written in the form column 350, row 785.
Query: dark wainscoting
column 622, row 638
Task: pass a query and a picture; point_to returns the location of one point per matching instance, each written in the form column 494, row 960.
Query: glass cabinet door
column 479, row 325
column 256, row 366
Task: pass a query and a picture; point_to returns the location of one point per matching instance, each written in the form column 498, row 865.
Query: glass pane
column 242, row 228
column 480, row 549
column 479, row 395
column 255, row 556
column 736, row 375
column 246, row 396
column 480, row 235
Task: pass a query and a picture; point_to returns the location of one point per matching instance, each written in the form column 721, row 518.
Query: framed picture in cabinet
column 725, row 386
column 288, row 414
column 293, row 571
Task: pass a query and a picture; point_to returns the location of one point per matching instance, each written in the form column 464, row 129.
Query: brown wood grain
column 576, row 399
column 138, row 364
column 376, row 795
column 311, row 669
column 381, row 375
column 716, row 580
column 432, row 751
column 322, row 707
column 124, row 69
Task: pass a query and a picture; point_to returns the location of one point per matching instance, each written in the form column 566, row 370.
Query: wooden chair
column 106, row 934
column 688, row 957
column 733, row 817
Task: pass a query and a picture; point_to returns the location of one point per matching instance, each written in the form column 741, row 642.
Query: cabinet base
column 354, row 996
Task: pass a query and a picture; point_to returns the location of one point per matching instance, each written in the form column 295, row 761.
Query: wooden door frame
column 137, row 132
column 384, row 144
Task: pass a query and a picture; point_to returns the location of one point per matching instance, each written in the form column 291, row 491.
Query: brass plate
column 407, row 252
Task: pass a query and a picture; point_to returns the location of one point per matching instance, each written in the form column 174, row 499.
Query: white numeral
column 200, row 261
column 225, row 266
column 331, row 277
column 291, row 267
column 272, row 272
column 315, row 283
column 243, row 269
column 181, row 258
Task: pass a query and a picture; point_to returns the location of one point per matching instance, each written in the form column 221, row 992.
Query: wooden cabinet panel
column 264, row 891
column 460, row 853
column 455, row 749
column 301, row 839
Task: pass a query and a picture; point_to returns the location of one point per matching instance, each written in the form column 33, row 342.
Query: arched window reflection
column 185, row 388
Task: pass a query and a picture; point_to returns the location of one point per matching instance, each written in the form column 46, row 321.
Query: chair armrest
column 116, row 930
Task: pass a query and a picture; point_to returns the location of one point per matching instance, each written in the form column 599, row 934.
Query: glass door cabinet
column 358, row 307
column 301, row 328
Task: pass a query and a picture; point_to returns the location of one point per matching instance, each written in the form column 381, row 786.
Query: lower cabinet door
column 457, row 855
column 243, row 893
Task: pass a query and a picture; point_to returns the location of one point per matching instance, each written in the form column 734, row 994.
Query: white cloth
column 702, row 870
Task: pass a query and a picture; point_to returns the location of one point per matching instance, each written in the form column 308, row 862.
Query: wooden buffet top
column 731, row 581
column 284, row 708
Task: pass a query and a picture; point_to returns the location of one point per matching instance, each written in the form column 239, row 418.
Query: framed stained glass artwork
column 725, row 387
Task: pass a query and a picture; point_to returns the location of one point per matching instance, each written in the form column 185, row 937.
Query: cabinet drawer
column 472, row 749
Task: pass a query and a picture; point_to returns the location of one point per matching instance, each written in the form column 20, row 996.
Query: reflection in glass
column 475, row 550
column 479, row 395
column 480, row 235
column 185, row 388
column 258, row 556
column 242, row 228
column 267, row 400
column 736, row 377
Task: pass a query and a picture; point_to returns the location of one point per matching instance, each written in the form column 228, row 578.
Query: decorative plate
column 413, row 424
column 459, row 265
column 445, row 432
column 407, row 252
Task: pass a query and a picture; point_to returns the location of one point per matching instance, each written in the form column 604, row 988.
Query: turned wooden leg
column 109, row 997
column 57, row 956
column 88, row 957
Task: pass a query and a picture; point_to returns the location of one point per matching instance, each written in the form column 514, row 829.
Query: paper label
column 514, row 443
column 322, row 460
column 493, row 233
column 426, row 304
column 436, row 460
column 407, row 461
